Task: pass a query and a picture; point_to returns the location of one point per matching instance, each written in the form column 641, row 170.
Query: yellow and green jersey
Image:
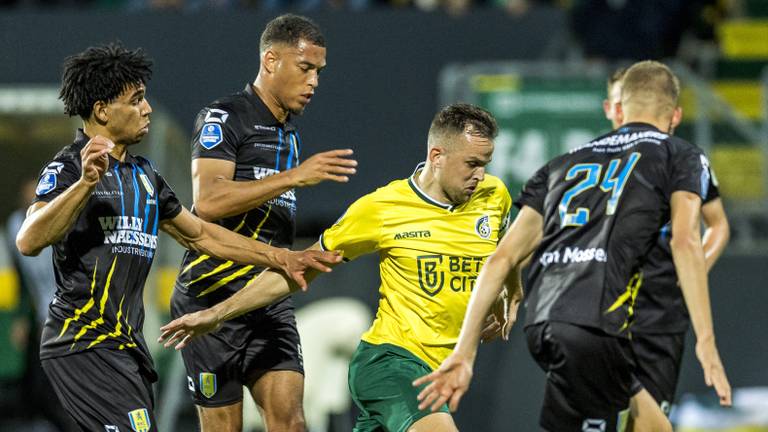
column 430, row 256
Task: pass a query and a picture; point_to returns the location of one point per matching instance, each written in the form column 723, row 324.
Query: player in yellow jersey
column 433, row 232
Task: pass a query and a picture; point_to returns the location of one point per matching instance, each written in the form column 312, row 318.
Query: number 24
column 611, row 183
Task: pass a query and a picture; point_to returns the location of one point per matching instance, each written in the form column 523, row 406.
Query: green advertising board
column 540, row 115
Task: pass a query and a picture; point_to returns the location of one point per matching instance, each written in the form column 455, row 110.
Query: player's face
column 463, row 166
column 128, row 119
column 609, row 105
column 297, row 74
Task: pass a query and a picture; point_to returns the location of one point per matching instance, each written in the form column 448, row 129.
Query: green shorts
column 380, row 378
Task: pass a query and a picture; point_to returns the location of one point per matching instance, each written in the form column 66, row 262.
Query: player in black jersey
column 661, row 319
column 100, row 208
column 245, row 166
column 587, row 219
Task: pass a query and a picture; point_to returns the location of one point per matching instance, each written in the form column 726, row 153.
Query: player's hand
column 447, row 384
column 502, row 317
column 181, row 330
column 296, row 263
column 95, row 159
column 714, row 372
column 334, row 165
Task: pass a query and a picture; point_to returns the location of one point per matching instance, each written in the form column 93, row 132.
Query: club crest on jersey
column 140, row 420
column 483, row 227
column 208, row 384
column 49, row 178
column 147, row 184
column 211, row 135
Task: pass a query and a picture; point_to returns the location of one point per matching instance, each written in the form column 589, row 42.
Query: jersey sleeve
column 714, row 188
column 215, row 135
column 56, row 177
column 535, row 191
column 357, row 232
column 689, row 171
column 168, row 204
column 505, row 205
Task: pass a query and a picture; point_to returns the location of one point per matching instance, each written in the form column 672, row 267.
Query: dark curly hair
column 289, row 28
column 101, row 73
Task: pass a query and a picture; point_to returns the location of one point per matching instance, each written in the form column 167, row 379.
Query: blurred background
column 540, row 66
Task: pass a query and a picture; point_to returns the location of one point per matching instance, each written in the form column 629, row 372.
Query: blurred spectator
column 37, row 282
column 633, row 29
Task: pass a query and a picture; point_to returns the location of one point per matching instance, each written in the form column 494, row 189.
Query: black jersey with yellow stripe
column 603, row 205
column 241, row 129
column 102, row 263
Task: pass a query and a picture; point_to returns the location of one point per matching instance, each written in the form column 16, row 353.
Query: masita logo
column 413, row 234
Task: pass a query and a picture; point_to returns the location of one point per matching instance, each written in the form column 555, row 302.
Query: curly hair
column 101, row 73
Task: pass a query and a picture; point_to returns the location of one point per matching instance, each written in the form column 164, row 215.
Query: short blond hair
column 650, row 87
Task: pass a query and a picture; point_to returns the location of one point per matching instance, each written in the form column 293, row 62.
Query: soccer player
column 661, row 319
column 589, row 217
column 245, row 166
column 433, row 232
column 101, row 207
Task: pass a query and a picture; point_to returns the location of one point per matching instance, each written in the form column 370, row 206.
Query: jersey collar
column 423, row 195
column 263, row 109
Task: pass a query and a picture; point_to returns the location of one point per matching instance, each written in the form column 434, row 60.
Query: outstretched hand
column 296, row 263
column 714, row 372
column 334, row 165
column 447, row 384
column 181, row 330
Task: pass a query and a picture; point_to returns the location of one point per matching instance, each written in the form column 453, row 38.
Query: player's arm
column 214, row 240
column 267, row 288
column 217, row 196
column 688, row 256
column 718, row 231
column 47, row 222
column 449, row 382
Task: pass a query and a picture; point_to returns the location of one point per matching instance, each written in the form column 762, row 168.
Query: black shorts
column 104, row 390
column 658, row 359
column 589, row 377
column 219, row 364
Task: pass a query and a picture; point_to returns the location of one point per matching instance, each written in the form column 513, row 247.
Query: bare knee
column 284, row 420
column 221, row 419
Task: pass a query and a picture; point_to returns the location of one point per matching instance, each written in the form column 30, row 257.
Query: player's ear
column 100, row 112
column 607, row 108
column 619, row 114
column 435, row 156
column 269, row 60
column 677, row 117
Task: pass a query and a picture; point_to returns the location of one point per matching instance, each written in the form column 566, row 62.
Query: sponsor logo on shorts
column 111, row 428
column 208, row 384
column 140, row 420
column 190, row 384
column 665, row 407
column 593, row 425
column 483, row 227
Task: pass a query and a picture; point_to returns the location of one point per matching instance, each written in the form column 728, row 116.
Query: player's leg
column 589, row 377
column 646, row 415
column 228, row 418
column 659, row 357
column 380, row 378
column 104, row 390
column 273, row 368
column 437, row 422
column 279, row 395
column 213, row 376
